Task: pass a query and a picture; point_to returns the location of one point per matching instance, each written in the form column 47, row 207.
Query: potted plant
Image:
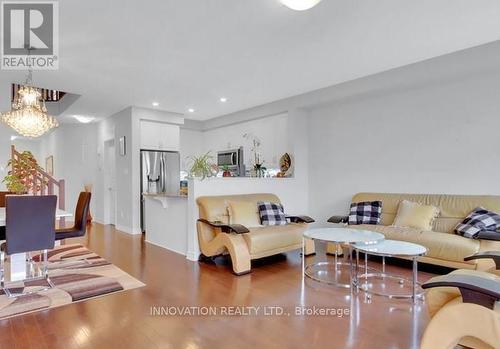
column 225, row 171
column 258, row 164
column 20, row 178
column 259, row 169
column 202, row 166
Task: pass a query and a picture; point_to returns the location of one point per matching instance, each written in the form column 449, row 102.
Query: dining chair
column 3, row 194
column 30, row 225
column 80, row 226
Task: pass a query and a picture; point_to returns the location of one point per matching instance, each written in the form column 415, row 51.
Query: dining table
column 59, row 214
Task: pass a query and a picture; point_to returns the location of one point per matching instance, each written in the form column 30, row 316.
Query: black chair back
column 30, row 223
column 81, row 213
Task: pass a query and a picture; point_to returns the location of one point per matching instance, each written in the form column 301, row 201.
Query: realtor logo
column 29, row 35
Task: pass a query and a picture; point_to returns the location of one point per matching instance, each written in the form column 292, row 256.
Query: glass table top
column 344, row 235
column 393, row 248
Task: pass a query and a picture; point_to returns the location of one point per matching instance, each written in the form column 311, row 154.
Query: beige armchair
column 220, row 232
column 464, row 306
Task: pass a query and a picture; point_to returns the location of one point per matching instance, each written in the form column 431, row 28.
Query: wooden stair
column 43, row 183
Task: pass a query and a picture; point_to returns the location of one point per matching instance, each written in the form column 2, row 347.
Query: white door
column 109, row 182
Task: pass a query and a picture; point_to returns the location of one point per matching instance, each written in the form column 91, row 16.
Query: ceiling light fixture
column 300, row 5
column 223, row 99
column 191, row 110
column 84, row 119
column 155, row 104
column 28, row 115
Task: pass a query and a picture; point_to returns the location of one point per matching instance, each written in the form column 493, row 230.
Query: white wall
column 5, row 143
column 433, row 138
column 272, row 131
column 191, row 144
column 33, row 146
column 74, row 148
column 122, row 125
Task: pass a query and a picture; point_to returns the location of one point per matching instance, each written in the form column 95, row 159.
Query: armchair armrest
column 300, row 219
column 226, row 228
column 474, row 289
column 338, row 219
column 495, row 255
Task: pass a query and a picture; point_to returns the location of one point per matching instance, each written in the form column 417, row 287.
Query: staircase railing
column 43, row 183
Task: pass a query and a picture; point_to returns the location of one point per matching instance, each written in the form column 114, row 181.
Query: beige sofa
column 445, row 248
column 218, row 234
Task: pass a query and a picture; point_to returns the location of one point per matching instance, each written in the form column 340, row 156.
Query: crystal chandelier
column 28, row 116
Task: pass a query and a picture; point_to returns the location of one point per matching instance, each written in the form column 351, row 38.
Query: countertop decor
column 203, row 166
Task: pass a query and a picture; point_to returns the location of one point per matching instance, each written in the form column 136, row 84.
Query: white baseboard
column 129, row 230
column 193, row 256
column 166, row 248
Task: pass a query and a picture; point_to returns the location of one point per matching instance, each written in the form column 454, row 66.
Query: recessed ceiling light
column 191, row 110
column 155, row 104
column 300, row 5
column 223, row 99
column 13, row 138
column 84, row 119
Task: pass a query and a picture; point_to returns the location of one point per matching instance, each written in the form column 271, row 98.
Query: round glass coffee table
column 391, row 248
column 330, row 272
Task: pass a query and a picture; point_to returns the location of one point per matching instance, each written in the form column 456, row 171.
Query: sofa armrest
column 474, row 289
column 300, row 219
column 226, row 228
column 338, row 219
column 488, row 235
column 495, row 255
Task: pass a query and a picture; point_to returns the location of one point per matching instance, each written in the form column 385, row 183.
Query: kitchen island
column 166, row 220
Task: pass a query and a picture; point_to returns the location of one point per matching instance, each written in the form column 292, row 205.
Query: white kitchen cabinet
column 159, row 136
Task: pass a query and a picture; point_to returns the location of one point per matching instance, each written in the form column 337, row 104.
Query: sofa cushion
column 268, row 238
column 366, row 212
column 244, row 213
column 415, row 215
column 439, row 245
column 271, row 213
column 478, row 220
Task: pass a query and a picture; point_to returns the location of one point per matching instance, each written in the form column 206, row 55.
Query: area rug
column 77, row 273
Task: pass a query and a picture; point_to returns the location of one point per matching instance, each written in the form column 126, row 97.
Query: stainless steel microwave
column 233, row 159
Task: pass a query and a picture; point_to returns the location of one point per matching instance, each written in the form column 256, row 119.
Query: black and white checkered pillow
column 367, row 212
column 478, row 220
column 271, row 213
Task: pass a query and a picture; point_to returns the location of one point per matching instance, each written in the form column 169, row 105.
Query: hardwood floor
column 124, row 320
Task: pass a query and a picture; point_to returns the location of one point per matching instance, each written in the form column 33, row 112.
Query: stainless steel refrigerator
column 160, row 173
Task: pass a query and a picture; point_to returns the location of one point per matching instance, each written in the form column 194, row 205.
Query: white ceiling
column 189, row 53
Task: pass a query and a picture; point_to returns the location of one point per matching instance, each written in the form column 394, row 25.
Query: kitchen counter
column 166, row 220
